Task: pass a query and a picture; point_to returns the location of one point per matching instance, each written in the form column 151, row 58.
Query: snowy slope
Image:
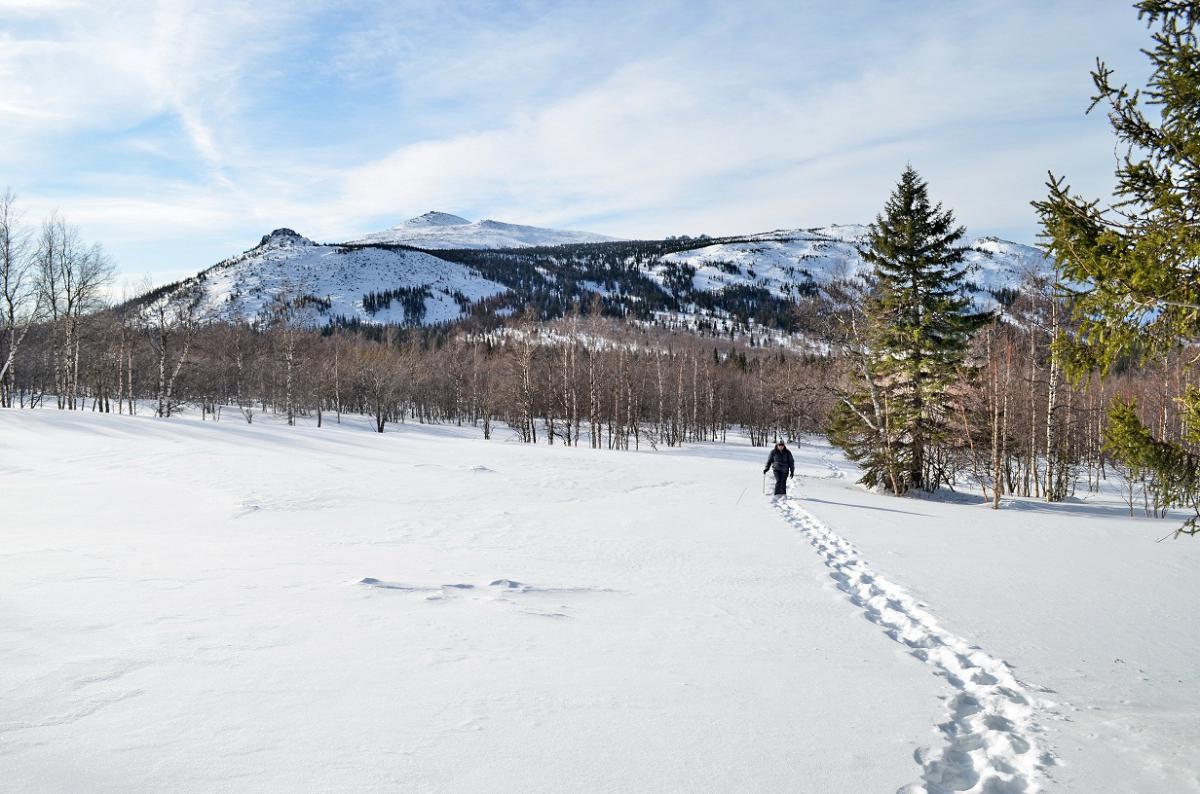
column 443, row 230
column 287, row 264
column 337, row 610
column 787, row 262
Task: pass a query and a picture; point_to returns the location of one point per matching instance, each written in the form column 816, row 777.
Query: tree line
column 583, row 380
column 49, row 278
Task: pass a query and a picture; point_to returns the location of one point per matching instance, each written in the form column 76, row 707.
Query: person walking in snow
column 784, row 466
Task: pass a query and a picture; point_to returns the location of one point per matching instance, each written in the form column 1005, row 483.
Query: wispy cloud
column 179, row 131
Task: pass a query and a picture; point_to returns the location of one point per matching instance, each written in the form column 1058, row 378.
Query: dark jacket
column 782, row 460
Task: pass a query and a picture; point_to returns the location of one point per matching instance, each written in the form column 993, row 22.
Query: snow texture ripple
column 991, row 732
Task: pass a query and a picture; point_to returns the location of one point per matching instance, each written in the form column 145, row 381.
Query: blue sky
column 177, row 133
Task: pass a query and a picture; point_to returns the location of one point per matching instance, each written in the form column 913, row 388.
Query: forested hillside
column 732, row 286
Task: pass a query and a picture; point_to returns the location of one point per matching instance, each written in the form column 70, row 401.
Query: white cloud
column 692, row 141
column 629, row 119
column 68, row 69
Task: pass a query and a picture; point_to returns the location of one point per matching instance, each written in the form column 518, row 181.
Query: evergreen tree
column 1131, row 268
column 1171, row 473
column 916, row 328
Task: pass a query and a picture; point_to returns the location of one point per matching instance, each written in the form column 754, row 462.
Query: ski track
column 992, row 733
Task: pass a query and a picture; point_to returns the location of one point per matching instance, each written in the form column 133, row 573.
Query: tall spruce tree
column 1132, row 268
column 916, row 328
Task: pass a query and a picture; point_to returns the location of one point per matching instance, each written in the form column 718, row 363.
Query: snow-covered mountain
column 443, row 230
column 791, row 262
column 324, row 282
column 699, row 283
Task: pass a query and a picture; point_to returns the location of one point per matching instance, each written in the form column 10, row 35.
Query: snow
column 217, row 606
column 437, row 219
column 443, row 230
column 845, row 232
column 992, row 742
column 210, row 623
column 1080, row 599
column 284, row 238
column 245, row 287
column 787, row 262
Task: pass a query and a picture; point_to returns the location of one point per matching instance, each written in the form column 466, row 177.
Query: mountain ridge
column 436, row 229
column 713, row 285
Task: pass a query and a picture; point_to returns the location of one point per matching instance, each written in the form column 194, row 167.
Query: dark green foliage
column 315, row 301
column 916, row 330
column 1136, row 262
column 865, row 436
column 553, row 280
column 411, row 299
column 1172, row 473
column 1005, row 296
column 1135, row 265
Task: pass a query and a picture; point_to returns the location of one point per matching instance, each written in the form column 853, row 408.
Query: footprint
column 983, row 679
column 989, row 734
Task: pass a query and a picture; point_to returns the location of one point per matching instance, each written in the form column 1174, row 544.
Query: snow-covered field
column 190, row 606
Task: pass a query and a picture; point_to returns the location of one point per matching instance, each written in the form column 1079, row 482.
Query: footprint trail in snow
column 991, row 732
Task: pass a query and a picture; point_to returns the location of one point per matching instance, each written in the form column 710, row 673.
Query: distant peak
column 443, row 230
column 283, row 238
column 849, row 232
column 437, row 219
